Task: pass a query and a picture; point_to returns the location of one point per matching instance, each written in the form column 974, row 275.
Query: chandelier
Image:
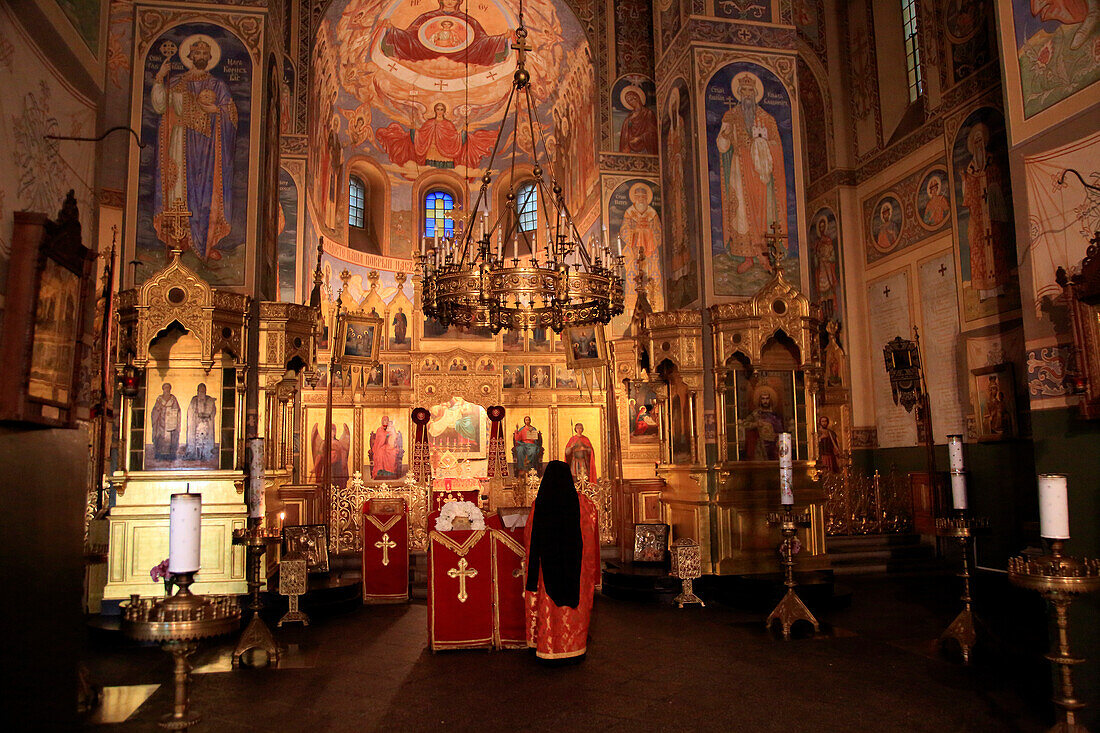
column 466, row 281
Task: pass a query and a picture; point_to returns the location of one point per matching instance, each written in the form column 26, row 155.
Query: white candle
column 256, row 478
column 1053, row 506
column 184, row 531
column 786, row 473
column 955, row 452
column 958, row 490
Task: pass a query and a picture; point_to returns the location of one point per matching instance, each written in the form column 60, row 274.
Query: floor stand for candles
column 963, row 630
column 178, row 622
column 1059, row 579
column 790, row 608
column 256, row 635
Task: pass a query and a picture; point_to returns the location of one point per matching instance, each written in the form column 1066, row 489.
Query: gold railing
column 860, row 505
column 602, row 494
column 346, row 514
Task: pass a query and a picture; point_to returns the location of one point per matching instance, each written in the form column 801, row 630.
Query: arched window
column 357, row 203
column 527, row 207
column 912, row 49
column 438, row 206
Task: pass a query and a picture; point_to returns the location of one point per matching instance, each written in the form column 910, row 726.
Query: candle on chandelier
column 786, row 471
column 1053, row 506
column 184, row 532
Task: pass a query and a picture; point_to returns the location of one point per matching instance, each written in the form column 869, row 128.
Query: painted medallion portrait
column 887, row 218
column 933, row 204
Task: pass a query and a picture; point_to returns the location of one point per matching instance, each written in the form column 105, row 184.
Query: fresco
column 287, row 238
column 668, row 13
column 968, row 30
column 1057, row 47
column 908, row 211
column 679, row 184
column 193, row 173
column 634, row 220
column 1063, row 214
column 270, row 223
column 758, row 10
column 983, row 209
column 84, row 15
column 750, row 156
column 825, row 268
column 633, row 117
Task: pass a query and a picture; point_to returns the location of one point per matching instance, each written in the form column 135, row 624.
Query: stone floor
column 650, row 666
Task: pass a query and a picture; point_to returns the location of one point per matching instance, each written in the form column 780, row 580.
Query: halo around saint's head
column 185, row 50
column 635, row 89
column 735, row 85
column 648, row 193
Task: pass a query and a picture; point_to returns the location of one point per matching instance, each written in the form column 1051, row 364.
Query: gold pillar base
column 687, row 595
column 790, row 610
column 293, row 615
column 181, row 717
column 256, row 636
column 963, row 631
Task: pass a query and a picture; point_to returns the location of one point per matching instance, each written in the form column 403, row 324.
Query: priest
column 563, row 567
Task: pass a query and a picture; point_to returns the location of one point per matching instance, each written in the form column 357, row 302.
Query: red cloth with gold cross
column 460, row 589
column 385, row 551
column 509, row 611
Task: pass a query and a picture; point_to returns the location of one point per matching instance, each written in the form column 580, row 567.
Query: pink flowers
column 158, row 572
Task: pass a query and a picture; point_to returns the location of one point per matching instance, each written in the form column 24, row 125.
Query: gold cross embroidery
column 462, row 572
column 385, row 543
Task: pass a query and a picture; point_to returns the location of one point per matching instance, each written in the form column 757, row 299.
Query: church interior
column 300, row 298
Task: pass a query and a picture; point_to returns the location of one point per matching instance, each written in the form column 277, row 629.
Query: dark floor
column 650, row 666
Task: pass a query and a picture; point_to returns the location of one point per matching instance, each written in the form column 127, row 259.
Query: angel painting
column 436, row 141
column 338, row 454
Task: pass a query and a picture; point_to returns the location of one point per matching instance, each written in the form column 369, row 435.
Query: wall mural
column 84, row 15
column 288, row 238
column 193, row 175
column 750, row 155
column 270, row 214
column 758, row 10
column 1062, row 217
column 634, row 220
column 633, row 117
column 968, row 30
column 679, row 184
column 825, row 269
column 668, row 14
column 983, row 209
column 1056, row 44
column 909, row 211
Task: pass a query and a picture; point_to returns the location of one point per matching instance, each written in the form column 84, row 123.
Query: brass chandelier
column 469, row 282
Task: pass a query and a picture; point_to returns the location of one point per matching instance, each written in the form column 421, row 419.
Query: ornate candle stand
column 963, row 630
column 1059, row 578
column 256, row 635
column 293, row 582
column 686, row 566
column 178, row 622
column 790, row 608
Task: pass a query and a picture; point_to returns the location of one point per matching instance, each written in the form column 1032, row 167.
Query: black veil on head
column 556, row 537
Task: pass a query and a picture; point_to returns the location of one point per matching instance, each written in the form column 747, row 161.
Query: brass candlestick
column 178, row 622
column 256, row 635
column 963, row 630
column 790, row 608
column 1059, row 579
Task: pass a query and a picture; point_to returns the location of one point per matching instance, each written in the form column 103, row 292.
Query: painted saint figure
column 888, row 230
column 437, row 142
column 828, row 446
column 990, row 218
column 639, row 131
column 387, row 450
column 200, row 425
column 937, row 208
column 527, row 447
column 580, row 455
column 446, row 41
column 676, row 206
column 644, row 421
column 400, row 327
column 338, row 455
column 167, row 417
column 196, row 140
column 825, row 265
column 762, row 427
column 754, row 189
column 641, row 233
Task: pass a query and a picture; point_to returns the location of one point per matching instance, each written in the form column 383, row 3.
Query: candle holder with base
column 1059, row 579
column 256, row 635
column 177, row 623
column 963, row 630
column 791, row 608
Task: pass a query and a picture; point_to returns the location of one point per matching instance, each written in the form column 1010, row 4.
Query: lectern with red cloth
column 509, row 614
column 460, row 589
column 385, row 551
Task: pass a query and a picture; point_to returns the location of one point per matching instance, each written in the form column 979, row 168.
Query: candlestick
column 256, row 478
column 184, row 532
column 786, row 473
column 1053, row 506
column 282, row 516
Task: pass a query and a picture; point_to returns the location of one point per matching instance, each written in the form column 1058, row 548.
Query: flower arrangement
column 454, row 509
column 160, row 572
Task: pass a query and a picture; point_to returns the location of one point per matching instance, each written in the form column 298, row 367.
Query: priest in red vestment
column 563, row 567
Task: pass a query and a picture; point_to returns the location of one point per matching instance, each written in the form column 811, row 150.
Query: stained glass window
column 357, row 203
column 438, row 206
column 912, row 48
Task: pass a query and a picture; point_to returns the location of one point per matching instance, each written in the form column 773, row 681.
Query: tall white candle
column 256, row 478
column 958, row 490
column 786, row 473
column 1053, row 506
column 184, row 532
column 955, row 452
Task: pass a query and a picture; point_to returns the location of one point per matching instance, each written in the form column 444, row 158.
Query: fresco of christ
column 444, row 33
